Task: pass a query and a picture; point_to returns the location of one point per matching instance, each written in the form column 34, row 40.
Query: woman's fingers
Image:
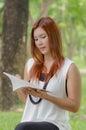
column 34, row 92
column 18, row 76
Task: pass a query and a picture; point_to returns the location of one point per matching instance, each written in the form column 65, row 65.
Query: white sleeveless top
column 45, row 110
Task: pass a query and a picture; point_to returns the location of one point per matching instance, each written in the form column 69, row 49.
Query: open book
column 20, row 83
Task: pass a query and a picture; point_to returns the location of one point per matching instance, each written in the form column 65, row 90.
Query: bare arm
column 72, row 102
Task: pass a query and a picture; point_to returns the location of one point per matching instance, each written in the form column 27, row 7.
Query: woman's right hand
column 18, row 76
column 22, row 93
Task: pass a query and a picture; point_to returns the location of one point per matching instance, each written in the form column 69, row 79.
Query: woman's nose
column 39, row 41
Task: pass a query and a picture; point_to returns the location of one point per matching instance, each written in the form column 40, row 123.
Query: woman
column 58, row 76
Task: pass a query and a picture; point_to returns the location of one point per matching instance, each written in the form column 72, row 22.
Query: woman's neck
column 48, row 58
column 48, row 62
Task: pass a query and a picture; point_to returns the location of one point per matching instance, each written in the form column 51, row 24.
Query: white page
column 20, row 83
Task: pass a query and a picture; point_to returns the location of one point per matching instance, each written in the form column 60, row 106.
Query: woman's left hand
column 37, row 92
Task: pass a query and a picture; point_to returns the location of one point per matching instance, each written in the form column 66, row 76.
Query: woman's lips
column 42, row 48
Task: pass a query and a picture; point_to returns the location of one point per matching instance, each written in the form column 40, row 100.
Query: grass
column 8, row 120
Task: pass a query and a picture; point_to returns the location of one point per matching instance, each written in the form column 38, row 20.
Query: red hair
column 55, row 45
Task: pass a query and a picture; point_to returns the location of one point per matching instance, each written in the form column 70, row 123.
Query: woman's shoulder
column 70, row 63
column 30, row 61
column 73, row 68
column 66, row 63
column 67, row 60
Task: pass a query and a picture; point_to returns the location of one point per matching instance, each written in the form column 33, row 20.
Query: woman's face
column 41, row 41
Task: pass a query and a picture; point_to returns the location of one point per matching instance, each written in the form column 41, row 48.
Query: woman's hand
column 36, row 92
column 22, row 93
column 18, row 76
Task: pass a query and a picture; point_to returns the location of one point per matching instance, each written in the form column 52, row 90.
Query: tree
column 14, row 34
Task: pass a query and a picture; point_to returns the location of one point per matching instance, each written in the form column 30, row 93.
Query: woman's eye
column 40, row 37
column 43, row 36
column 35, row 39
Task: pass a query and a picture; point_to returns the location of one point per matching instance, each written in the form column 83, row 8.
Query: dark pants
column 36, row 126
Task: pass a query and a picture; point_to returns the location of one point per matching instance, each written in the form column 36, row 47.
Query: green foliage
column 79, row 61
column 69, row 14
column 35, row 8
column 71, row 17
column 2, row 1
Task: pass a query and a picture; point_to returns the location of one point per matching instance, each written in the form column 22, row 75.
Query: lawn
column 8, row 120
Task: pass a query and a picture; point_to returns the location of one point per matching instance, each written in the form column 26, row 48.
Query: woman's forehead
column 39, row 31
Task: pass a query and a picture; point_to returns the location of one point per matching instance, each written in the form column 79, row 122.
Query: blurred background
column 16, row 20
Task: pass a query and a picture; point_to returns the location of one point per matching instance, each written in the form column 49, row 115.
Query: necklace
column 40, row 99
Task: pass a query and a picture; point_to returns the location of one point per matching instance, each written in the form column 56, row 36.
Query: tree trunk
column 14, row 45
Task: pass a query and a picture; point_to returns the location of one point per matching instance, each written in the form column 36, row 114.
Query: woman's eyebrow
column 40, row 35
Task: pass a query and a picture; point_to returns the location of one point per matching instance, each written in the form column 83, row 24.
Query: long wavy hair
column 55, row 45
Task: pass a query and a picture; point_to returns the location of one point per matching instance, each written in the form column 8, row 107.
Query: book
column 20, row 83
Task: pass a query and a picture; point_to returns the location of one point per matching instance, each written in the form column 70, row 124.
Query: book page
column 20, row 83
